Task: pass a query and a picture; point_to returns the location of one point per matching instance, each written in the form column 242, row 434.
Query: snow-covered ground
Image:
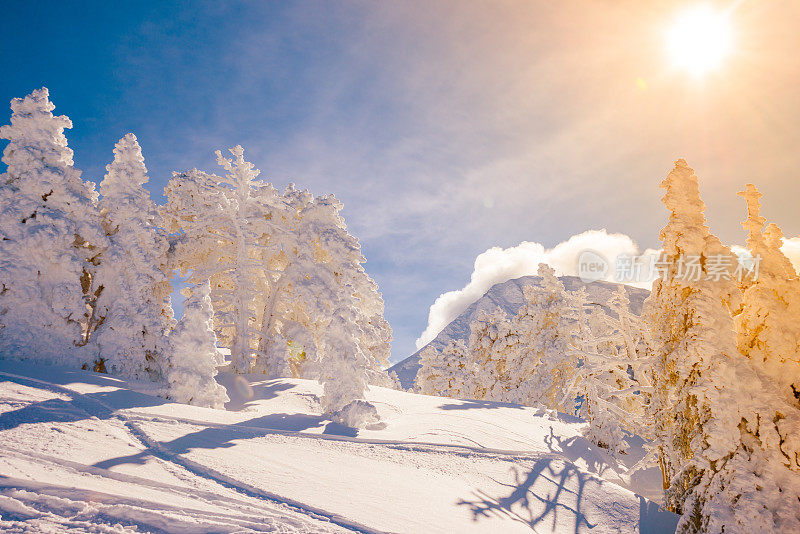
column 86, row 452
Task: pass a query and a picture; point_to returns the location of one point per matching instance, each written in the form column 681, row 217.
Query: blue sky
column 445, row 127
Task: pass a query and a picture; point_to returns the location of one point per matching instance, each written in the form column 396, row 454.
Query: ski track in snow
column 100, row 410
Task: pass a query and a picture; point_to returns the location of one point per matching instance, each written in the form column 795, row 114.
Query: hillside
column 85, row 451
column 509, row 297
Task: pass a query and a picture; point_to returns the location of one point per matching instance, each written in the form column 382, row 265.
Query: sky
column 446, row 128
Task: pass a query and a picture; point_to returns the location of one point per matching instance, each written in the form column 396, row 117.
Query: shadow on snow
column 550, row 493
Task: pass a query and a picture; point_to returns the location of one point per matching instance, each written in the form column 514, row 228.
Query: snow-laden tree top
column 40, row 164
column 123, row 183
column 686, row 230
column 34, row 127
column 764, row 244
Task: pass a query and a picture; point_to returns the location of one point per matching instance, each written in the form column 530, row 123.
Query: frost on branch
column 195, row 356
column 613, row 377
column 543, row 363
column 50, row 237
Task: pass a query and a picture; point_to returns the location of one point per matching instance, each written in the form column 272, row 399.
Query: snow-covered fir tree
column 542, row 366
column 295, row 293
column 489, row 340
column 324, row 291
column 343, row 368
column 133, row 312
column 195, row 357
column 50, row 238
column 726, row 441
column 613, row 375
column 320, row 259
column 281, row 262
column 768, row 327
column 446, row 373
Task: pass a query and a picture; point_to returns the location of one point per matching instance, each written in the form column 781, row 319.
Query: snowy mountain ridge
column 509, row 297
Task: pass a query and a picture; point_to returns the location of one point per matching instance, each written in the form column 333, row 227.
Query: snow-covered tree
column 225, row 226
column 133, row 312
column 768, row 326
column 727, row 444
column 541, row 368
column 319, row 258
column 50, row 238
column 195, row 357
column 613, row 375
column 528, row 359
column 491, row 340
column 278, row 266
column 343, row 369
column 287, row 307
column 446, row 373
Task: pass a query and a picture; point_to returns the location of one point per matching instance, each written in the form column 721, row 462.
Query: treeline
column 86, row 277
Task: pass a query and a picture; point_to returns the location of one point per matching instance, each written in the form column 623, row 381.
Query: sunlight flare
column 699, row 39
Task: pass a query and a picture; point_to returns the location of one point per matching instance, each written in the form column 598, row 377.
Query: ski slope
column 90, row 453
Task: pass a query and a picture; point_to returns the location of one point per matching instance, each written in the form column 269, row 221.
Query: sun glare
column 699, row 40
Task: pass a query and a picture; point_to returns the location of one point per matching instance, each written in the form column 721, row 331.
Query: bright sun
column 699, row 40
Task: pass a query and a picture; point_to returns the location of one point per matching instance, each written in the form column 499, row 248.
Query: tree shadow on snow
column 579, row 449
column 552, row 491
column 222, row 437
column 338, row 429
column 243, row 392
column 655, row 520
column 76, row 407
column 469, row 404
column 544, row 492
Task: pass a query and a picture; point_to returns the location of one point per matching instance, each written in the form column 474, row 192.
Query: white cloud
column 498, row 265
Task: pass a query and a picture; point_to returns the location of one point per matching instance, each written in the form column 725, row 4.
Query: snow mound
column 357, row 414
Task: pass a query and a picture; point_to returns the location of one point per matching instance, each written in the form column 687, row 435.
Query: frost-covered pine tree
column 225, row 227
column 343, row 369
column 133, row 312
column 287, row 343
column 613, row 376
column 446, row 373
column 490, row 342
column 195, row 357
column 320, row 259
column 50, row 238
column 768, row 326
column 727, row 443
column 541, row 368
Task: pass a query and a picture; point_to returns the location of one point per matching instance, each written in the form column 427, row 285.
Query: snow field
column 85, row 451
